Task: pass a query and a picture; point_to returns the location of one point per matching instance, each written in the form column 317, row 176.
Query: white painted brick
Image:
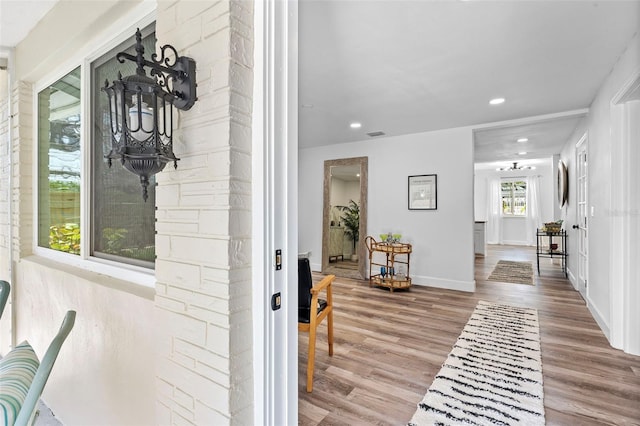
column 240, row 252
column 218, row 339
column 164, row 388
column 188, row 328
column 184, row 399
column 183, row 274
column 176, row 228
column 242, row 393
column 170, row 304
column 212, row 49
column 163, row 414
column 200, row 250
column 183, row 360
column 163, row 245
column 214, row 222
column 241, row 78
column 213, row 360
column 239, row 223
column 220, row 75
column 211, row 27
column 211, row 317
column 167, row 17
column 199, row 299
column 241, row 49
column 219, row 8
column 213, row 374
column 203, row 389
column 167, row 195
column 219, row 289
column 177, row 419
column 208, row 416
column 188, row 9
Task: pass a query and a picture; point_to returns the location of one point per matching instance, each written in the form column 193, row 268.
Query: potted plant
column 351, row 220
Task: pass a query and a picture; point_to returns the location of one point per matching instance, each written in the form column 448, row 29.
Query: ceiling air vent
column 374, row 134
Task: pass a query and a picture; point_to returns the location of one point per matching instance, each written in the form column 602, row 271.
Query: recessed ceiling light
column 522, row 153
column 355, row 125
column 523, row 140
column 496, row 101
column 357, row 174
column 307, row 105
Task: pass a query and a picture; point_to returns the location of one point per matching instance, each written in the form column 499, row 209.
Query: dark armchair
column 312, row 310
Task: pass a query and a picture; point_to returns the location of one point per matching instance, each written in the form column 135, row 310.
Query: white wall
column 514, row 229
column 442, row 239
column 602, row 170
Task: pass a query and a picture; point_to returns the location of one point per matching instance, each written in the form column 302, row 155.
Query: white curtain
column 494, row 217
column 533, row 209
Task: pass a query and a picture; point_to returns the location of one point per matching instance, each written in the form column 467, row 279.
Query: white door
column 581, row 212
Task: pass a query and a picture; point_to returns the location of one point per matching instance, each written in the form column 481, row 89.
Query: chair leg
column 330, row 332
column 311, row 359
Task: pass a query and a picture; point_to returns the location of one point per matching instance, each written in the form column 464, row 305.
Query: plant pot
column 354, row 257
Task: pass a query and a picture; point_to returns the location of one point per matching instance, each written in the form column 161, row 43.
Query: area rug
column 492, row 376
column 509, row 271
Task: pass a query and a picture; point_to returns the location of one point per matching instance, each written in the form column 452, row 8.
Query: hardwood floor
column 389, row 346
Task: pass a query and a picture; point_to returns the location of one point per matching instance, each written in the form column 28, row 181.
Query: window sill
column 141, row 284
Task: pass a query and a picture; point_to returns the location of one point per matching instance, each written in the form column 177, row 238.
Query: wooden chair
column 312, row 310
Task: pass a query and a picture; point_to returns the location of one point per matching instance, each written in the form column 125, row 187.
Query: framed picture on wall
column 423, row 192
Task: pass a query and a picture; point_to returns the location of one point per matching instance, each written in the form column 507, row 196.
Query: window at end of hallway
column 514, row 197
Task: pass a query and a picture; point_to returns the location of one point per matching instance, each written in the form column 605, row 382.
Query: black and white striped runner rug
column 493, row 375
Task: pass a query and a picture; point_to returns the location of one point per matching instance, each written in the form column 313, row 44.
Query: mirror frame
column 363, row 162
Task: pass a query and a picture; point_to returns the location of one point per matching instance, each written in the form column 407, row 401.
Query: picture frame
column 423, row 192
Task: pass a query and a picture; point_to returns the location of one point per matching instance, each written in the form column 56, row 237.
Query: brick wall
column 203, row 269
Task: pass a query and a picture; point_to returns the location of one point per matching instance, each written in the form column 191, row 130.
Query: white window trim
column 511, row 215
column 118, row 32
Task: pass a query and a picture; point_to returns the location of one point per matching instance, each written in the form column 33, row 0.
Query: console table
column 547, row 250
column 388, row 274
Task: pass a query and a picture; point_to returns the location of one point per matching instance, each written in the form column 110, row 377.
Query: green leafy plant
column 351, row 220
column 65, row 237
column 114, row 239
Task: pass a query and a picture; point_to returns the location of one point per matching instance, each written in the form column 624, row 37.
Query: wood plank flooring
column 389, row 346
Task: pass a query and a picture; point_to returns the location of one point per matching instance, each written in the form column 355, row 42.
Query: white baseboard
column 468, row 286
column 514, row 243
column 600, row 320
column 572, row 279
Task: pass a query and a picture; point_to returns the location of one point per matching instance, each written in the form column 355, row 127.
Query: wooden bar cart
column 388, row 274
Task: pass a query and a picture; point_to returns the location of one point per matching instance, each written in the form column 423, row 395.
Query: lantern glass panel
column 122, row 227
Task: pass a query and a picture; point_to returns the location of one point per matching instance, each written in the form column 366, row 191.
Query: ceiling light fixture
column 496, row 101
column 515, row 167
column 522, row 153
column 355, row 125
column 523, row 140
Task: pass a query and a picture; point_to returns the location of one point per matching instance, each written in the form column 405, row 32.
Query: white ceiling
column 412, row 66
column 18, row 17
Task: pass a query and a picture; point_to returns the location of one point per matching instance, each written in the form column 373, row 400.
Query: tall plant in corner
column 351, row 219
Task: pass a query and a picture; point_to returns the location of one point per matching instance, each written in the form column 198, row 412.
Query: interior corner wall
column 442, row 239
column 601, row 170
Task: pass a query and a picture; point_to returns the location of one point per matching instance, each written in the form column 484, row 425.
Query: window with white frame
column 121, row 223
column 514, row 197
column 59, row 164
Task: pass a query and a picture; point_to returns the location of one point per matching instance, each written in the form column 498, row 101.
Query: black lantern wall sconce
column 141, row 110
